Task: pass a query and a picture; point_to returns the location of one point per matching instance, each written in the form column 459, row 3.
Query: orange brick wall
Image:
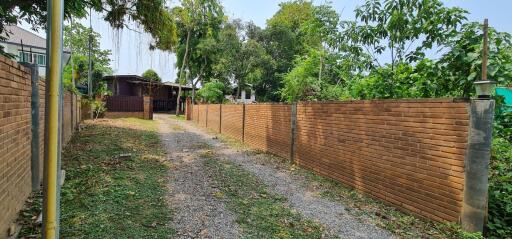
column 268, row 127
column 408, row 153
column 201, row 119
column 15, row 136
column 232, row 120
column 194, row 115
column 214, row 117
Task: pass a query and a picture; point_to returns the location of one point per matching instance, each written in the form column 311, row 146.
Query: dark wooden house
column 129, row 90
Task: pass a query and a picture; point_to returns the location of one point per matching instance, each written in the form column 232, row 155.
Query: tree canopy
column 151, row 15
column 151, row 75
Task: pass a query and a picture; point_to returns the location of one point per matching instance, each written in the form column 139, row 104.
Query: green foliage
column 151, row 75
column 151, row 15
column 462, row 64
column 76, row 38
column 212, row 92
column 199, row 23
column 398, row 25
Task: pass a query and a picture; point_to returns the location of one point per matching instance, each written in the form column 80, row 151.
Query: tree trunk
column 320, row 71
column 183, row 63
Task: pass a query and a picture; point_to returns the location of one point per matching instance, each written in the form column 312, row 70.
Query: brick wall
column 409, row 153
column 201, row 116
column 268, row 128
column 214, row 117
column 15, row 135
column 232, row 121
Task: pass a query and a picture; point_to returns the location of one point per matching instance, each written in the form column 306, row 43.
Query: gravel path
column 197, row 213
column 305, row 200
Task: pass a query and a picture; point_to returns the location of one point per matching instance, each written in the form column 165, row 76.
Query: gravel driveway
column 193, row 200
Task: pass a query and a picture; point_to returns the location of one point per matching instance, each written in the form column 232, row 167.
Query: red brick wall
column 15, row 136
column 268, row 127
column 214, row 117
column 232, row 120
column 408, row 153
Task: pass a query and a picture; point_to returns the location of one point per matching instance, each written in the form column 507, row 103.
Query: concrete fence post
column 35, row 142
column 243, row 123
column 293, row 131
column 474, row 208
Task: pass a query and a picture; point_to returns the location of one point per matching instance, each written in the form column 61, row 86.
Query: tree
column 404, row 28
column 76, row 38
column 151, row 75
column 152, row 15
column 199, row 22
column 462, row 63
column 238, row 60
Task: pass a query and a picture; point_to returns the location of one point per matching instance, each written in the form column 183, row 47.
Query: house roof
column 18, row 35
column 141, row 80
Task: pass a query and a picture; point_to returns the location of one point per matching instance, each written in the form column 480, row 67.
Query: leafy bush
column 500, row 189
column 212, row 92
column 500, row 178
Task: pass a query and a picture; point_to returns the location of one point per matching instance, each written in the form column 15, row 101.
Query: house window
column 40, row 59
column 36, row 58
column 25, row 57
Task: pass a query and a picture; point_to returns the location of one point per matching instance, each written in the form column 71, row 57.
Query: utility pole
column 485, row 50
column 51, row 189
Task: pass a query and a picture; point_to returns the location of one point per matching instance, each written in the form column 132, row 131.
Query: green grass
column 259, row 213
column 105, row 196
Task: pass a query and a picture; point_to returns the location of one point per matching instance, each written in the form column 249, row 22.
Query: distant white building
column 28, row 47
column 247, row 95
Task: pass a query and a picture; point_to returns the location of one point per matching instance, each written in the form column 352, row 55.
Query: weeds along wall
column 409, row 153
column 16, row 136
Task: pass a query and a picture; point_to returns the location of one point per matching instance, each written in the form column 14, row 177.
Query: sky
column 131, row 54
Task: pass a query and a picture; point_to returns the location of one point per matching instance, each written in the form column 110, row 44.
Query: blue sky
column 131, row 54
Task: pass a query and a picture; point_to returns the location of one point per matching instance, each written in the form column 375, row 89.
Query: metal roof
column 18, row 34
column 141, row 80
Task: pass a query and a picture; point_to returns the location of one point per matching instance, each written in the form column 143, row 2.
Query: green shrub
column 500, row 178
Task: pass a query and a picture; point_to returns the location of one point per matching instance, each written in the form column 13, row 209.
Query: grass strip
column 108, row 196
column 260, row 213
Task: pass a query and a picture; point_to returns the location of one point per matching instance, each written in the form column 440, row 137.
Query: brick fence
column 16, row 136
column 409, row 153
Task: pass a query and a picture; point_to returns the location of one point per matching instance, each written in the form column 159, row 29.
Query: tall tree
column 403, row 28
column 198, row 22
